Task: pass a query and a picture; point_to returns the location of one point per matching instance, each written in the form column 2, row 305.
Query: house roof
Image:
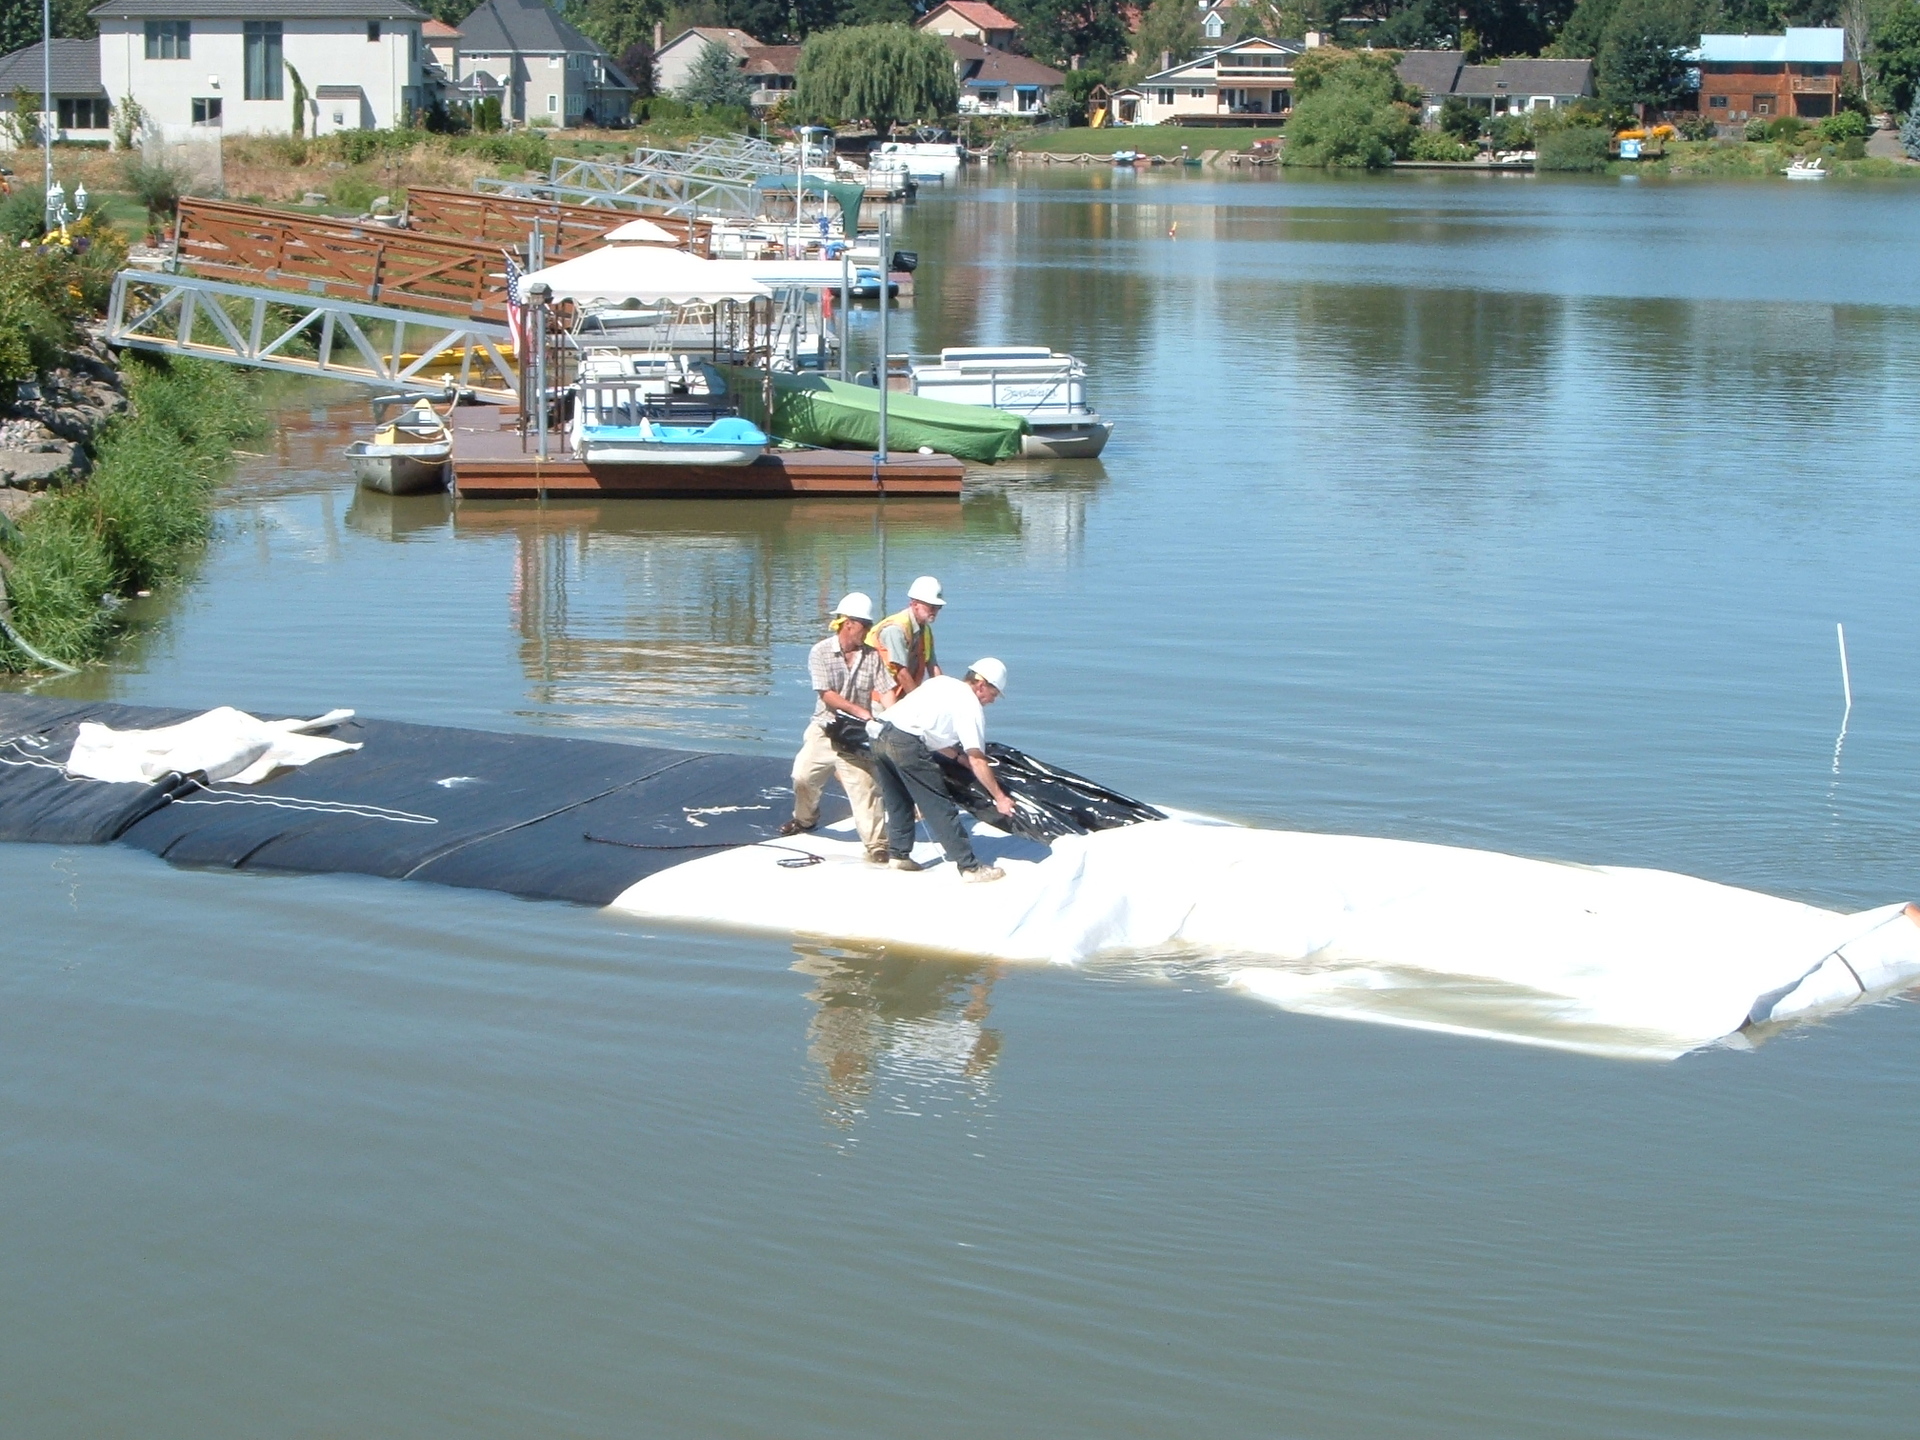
column 250, row 10
column 1206, row 59
column 738, row 41
column 1802, row 45
column 501, row 26
column 1433, row 71
column 976, row 12
column 1527, row 77
column 76, row 68
column 439, row 30
column 979, row 64
column 773, row 60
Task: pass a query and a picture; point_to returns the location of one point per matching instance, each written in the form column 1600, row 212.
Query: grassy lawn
column 1147, row 139
column 1743, row 158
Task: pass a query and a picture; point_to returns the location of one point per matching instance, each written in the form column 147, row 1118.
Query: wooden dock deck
column 489, row 463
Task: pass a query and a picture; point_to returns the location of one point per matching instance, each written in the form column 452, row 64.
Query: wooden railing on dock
column 343, row 259
column 507, row 220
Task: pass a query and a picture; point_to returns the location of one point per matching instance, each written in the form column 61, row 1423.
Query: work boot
column 878, row 855
column 794, row 827
column 905, row 862
column 981, row 874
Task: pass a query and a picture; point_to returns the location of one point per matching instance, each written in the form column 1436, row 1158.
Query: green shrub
column 1461, row 120
column 23, row 214
column 1578, row 148
column 1784, row 130
column 1697, row 127
column 1852, row 148
column 1352, row 111
column 522, row 149
column 352, row 190
column 1847, row 125
column 1510, row 132
column 1436, row 145
column 58, row 569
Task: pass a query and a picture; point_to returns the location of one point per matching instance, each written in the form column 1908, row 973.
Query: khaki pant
column 817, row 760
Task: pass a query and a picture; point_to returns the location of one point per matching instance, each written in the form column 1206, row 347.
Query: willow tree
column 881, row 73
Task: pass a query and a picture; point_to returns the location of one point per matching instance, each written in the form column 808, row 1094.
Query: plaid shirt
column 828, row 668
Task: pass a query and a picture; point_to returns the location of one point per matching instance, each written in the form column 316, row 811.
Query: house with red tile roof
column 970, row 20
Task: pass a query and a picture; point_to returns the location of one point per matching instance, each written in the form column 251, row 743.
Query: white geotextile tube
column 1620, row 961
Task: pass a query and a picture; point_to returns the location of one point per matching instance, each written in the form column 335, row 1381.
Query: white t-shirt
column 942, row 711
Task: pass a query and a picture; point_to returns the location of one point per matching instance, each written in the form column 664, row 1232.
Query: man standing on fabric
column 947, row 716
column 905, row 640
column 844, row 672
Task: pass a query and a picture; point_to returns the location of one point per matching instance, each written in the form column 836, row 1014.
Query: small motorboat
column 924, row 161
column 866, row 285
column 729, row 440
column 1127, row 157
column 406, row 456
column 1814, row 169
column 1047, row 390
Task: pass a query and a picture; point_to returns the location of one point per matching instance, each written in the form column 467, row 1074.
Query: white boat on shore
column 1814, row 169
column 1046, row 389
column 406, row 456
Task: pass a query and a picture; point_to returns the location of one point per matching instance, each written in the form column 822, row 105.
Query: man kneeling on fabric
column 946, row 716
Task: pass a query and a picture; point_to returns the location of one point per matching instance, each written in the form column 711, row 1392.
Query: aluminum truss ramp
column 394, row 350
column 632, row 187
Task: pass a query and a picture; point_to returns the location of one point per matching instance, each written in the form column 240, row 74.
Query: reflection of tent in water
column 898, row 1021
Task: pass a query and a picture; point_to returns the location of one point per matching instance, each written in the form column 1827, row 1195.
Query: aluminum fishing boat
column 406, row 456
column 1047, row 390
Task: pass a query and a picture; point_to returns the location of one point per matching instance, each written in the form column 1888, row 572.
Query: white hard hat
column 991, row 671
column 927, row 591
column 855, row 605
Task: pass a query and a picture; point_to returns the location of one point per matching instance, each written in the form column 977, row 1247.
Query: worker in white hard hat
column 905, row 640
column 844, row 672
column 948, row 717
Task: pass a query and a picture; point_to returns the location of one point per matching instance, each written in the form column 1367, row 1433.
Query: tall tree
column 616, row 24
column 881, row 73
column 1055, row 31
column 1586, row 27
column 1642, row 59
column 1168, row 28
column 716, row 79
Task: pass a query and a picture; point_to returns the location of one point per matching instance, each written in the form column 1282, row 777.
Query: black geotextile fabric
column 530, row 815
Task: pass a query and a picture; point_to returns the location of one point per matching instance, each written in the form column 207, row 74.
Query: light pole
column 46, row 105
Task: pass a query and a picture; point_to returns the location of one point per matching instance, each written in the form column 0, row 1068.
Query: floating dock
column 491, row 461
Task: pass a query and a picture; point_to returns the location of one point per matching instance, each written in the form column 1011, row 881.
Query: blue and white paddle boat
column 656, row 408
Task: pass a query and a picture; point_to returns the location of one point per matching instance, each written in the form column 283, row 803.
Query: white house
column 673, row 62
column 993, row 82
column 546, row 71
column 970, row 20
column 1228, row 85
column 224, row 63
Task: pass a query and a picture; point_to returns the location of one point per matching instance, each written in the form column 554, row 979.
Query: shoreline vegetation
column 129, row 455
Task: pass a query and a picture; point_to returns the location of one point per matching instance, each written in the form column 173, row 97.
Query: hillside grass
column 139, row 518
column 1732, row 159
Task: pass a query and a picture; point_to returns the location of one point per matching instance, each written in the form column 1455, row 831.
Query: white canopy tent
column 642, row 232
column 618, row 275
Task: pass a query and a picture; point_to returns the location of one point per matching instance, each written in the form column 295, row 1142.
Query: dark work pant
column 909, row 776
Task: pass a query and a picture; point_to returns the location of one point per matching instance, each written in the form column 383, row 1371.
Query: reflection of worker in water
column 905, row 640
column 898, row 1019
column 845, row 672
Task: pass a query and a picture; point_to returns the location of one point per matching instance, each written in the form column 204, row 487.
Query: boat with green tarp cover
column 814, row 410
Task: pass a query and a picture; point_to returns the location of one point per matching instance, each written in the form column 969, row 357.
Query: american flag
column 516, row 316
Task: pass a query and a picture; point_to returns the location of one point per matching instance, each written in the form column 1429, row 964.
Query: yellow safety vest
column 919, row 656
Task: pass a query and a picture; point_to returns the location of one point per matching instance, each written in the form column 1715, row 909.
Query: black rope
column 803, row 858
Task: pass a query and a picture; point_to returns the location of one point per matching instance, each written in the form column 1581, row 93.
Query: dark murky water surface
column 1515, row 515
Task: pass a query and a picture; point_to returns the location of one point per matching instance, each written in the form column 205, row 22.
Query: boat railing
column 1009, row 385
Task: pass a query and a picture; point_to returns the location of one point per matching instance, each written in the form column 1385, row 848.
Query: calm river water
column 1514, row 514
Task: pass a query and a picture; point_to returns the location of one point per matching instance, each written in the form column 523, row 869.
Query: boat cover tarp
column 815, row 410
column 843, row 193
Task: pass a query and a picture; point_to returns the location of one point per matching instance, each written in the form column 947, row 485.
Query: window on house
column 1716, row 102
column 169, row 39
column 1163, row 97
column 207, row 111
column 373, row 32
column 84, row 114
column 263, row 61
column 413, row 46
column 553, row 104
column 1813, row 69
column 1197, row 92
column 1763, row 104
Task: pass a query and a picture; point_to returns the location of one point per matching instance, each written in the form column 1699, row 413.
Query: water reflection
column 902, row 1034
